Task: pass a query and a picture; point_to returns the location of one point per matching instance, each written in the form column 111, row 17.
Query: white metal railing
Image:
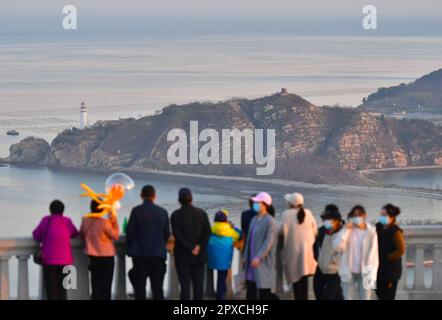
column 422, row 278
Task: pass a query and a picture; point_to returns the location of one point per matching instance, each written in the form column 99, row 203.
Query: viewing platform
column 422, row 277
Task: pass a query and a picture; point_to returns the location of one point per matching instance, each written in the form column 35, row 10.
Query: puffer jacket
column 220, row 247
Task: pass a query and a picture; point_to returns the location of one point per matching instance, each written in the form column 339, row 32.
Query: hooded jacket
column 220, row 246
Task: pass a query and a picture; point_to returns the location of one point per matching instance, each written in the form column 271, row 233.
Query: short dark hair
column 392, row 210
column 251, row 201
column 148, row 192
column 356, row 208
column 56, row 207
column 94, row 207
column 185, row 200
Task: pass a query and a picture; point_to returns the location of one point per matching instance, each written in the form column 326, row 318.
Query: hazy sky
column 194, row 8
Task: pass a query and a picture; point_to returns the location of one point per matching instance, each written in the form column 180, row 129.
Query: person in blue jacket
column 220, row 250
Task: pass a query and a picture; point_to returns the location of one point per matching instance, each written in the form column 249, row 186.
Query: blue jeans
column 221, row 286
column 355, row 285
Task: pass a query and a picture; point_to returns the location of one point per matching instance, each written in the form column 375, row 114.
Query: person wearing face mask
column 260, row 250
column 247, row 216
column 329, row 286
column 358, row 245
column 298, row 229
column 391, row 250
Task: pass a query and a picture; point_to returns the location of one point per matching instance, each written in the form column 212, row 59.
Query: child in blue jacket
column 220, row 250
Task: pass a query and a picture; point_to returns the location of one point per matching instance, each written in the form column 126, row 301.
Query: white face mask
column 328, row 224
column 358, row 220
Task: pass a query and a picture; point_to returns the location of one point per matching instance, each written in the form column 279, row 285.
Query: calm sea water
column 150, row 72
column 25, row 194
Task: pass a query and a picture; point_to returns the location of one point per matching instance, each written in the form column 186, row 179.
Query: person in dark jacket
column 391, row 249
column 246, row 217
column 191, row 230
column 147, row 235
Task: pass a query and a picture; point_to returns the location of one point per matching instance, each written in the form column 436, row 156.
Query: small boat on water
column 13, row 133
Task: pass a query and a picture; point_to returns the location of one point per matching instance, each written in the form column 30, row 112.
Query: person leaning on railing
column 147, row 235
column 99, row 234
column 54, row 232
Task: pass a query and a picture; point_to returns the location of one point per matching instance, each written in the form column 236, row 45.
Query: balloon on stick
column 116, row 186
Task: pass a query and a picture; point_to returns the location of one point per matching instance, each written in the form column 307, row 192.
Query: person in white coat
column 358, row 244
column 299, row 229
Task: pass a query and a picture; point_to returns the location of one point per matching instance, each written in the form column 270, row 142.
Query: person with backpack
column 54, row 232
column 299, row 229
column 220, row 250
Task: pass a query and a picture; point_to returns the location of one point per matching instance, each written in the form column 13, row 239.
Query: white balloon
column 120, row 179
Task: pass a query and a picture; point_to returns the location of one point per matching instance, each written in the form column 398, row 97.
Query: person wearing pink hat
column 260, row 250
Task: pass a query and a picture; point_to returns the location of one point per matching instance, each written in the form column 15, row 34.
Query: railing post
column 437, row 267
column 120, row 284
column 419, row 268
column 402, row 293
column 23, row 278
column 41, row 284
column 172, row 279
column 4, row 277
column 81, row 265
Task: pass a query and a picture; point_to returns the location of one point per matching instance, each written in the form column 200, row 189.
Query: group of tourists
column 348, row 259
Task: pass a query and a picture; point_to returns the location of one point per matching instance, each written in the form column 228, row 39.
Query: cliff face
column 312, row 143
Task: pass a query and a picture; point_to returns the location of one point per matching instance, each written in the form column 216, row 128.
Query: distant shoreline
column 414, row 168
column 175, row 175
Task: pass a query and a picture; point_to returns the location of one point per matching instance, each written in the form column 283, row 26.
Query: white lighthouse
column 84, row 122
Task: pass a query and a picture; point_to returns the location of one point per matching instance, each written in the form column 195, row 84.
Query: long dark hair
column 270, row 209
column 301, row 215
